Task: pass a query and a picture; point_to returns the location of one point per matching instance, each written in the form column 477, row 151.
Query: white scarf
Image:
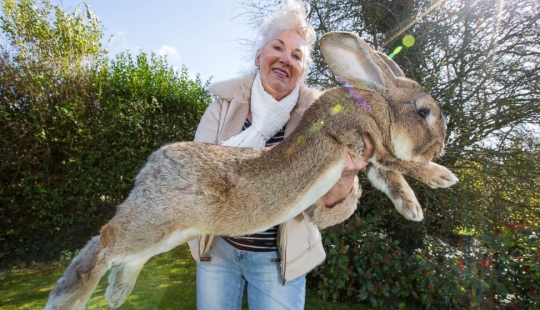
column 268, row 116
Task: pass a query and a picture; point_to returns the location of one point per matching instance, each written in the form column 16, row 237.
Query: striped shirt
column 265, row 241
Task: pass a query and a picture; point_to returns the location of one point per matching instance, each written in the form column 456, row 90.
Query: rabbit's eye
column 423, row 112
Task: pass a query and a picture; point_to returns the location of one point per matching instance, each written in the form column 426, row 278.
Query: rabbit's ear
column 352, row 60
column 392, row 65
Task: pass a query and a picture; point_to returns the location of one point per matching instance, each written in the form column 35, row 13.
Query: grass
column 167, row 281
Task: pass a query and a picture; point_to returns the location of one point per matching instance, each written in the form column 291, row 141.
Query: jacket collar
column 239, row 90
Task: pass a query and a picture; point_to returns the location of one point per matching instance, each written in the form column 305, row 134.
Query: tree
column 483, row 54
column 479, row 60
column 38, row 32
column 44, row 63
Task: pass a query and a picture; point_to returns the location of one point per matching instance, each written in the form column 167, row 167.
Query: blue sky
column 204, row 35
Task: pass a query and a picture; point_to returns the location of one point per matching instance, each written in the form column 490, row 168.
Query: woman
column 259, row 110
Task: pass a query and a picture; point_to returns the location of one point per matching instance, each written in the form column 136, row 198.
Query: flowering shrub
column 512, row 266
column 363, row 270
column 500, row 272
column 363, row 263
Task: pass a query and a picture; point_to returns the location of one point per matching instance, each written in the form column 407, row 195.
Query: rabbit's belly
column 320, row 187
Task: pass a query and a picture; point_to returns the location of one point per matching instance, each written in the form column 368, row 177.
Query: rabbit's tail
column 122, row 280
column 75, row 287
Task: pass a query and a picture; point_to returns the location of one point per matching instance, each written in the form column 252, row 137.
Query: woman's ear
column 258, row 59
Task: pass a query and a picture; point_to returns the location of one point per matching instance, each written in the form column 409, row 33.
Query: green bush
column 512, row 265
column 76, row 127
column 365, row 265
column 502, row 272
column 72, row 151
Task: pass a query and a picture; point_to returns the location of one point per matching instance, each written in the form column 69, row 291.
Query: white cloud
column 171, row 52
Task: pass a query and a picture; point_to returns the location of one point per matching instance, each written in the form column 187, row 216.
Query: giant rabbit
column 187, row 189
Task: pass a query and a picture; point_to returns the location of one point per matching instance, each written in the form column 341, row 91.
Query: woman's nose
column 286, row 59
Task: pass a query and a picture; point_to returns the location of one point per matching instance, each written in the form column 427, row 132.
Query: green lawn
column 166, row 282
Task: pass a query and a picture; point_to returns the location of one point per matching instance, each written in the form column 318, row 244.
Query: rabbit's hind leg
column 122, row 280
column 124, row 275
column 394, row 185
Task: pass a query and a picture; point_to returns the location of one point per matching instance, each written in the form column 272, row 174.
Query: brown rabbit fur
column 187, row 188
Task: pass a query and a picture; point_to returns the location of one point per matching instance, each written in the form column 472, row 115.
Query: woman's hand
column 353, row 163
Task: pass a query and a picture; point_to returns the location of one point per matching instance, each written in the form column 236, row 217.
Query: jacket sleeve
column 207, row 130
column 324, row 216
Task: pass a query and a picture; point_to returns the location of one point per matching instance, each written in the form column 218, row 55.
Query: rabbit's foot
column 394, row 185
column 409, row 207
column 439, row 176
column 122, row 281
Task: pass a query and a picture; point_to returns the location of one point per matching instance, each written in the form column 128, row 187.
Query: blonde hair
column 292, row 16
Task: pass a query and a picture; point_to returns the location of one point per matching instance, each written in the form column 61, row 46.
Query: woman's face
column 281, row 62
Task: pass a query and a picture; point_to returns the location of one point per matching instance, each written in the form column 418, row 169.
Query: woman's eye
column 278, row 48
column 297, row 57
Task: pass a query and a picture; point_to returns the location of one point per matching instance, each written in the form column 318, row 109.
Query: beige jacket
column 299, row 239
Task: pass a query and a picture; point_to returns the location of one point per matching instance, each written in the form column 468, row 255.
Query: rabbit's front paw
column 439, row 176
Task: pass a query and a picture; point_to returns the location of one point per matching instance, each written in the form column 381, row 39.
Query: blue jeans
column 221, row 281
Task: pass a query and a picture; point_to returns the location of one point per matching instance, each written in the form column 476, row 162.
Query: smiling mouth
column 280, row 73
